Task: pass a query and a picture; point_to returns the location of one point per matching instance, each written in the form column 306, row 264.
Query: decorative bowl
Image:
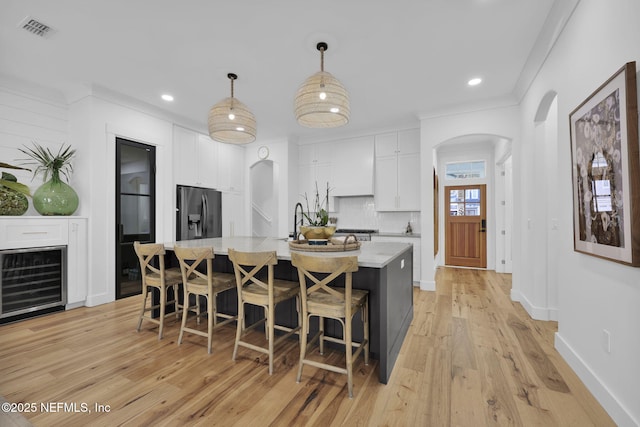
column 317, row 232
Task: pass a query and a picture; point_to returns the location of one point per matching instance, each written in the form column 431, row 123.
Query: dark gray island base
column 385, row 270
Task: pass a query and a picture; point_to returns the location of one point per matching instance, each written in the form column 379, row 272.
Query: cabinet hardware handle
column 34, row 232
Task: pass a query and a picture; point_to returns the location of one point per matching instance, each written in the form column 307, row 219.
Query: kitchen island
column 385, row 270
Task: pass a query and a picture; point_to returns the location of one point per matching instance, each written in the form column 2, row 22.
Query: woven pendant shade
column 322, row 101
column 230, row 121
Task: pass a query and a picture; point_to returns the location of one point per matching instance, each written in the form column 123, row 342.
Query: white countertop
column 370, row 254
column 391, row 234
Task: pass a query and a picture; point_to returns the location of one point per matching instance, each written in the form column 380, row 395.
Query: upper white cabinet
column 397, row 171
column 346, row 165
column 208, row 159
column 315, row 164
column 203, row 162
column 230, row 168
column 353, row 167
column 196, row 158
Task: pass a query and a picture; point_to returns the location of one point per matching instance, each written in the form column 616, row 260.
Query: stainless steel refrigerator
column 198, row 213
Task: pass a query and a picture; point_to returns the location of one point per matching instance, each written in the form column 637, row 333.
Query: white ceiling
column 399, row 60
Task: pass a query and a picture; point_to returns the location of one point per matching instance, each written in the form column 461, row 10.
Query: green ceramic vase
column 55, row 197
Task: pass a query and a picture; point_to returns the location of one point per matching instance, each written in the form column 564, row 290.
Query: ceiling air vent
column 36, row 27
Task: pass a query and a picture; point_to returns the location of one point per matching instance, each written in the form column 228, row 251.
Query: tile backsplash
column 360, row 212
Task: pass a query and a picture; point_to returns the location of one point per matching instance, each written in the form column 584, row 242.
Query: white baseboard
column 94, row 300
column 536, row 312
column 427, row 285
column 620, row 415
column 74, row 305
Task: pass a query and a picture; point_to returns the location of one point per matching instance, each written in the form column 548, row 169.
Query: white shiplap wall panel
column 25, row 118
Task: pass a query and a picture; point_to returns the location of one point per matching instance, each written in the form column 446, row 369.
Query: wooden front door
column 465, row 226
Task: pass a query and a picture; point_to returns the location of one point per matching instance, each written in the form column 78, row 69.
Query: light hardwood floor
column 471, row 358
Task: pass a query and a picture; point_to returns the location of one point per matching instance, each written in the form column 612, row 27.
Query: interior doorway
column 466, row 225
column 135, row 210
column 264, row 199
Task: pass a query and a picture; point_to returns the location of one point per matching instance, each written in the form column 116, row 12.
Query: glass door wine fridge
column 32, row 281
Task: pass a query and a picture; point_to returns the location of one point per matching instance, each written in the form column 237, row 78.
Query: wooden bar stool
column 156, row 278
column 253, row 290
column 208, row 285
column 321, row 300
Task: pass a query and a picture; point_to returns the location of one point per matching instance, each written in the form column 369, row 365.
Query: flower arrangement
column 318, row 217
column 50, row 164
column 54, row 196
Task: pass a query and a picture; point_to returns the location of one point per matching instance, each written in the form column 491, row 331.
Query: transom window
column 465, row 170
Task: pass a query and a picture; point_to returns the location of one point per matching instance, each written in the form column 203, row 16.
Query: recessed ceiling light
column 167, row 97
column 475, row 81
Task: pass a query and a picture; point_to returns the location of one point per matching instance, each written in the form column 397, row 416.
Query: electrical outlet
column 606, row 341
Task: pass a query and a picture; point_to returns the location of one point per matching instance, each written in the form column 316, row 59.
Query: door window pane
column 134, row 170
column 135, row 214
column 457, row 195
column 464, row 202
column 472, row 209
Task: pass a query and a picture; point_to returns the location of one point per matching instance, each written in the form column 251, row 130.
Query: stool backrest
column 190, row 259
column 146, row 252
column 321, row 271
column 247, row 265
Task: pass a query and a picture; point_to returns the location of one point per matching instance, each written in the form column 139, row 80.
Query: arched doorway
column 264, row 199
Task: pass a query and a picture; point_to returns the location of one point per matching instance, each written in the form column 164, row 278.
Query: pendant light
column 231, row 121
column 322, row 101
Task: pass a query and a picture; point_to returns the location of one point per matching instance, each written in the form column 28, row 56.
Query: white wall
column 280, row 153
column 95, row 124
column 593, row 294
column 451, row 153
column 28, row 117
column 502, row 122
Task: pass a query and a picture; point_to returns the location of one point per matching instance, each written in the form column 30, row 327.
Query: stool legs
column 240, row 326
column 143, row 309
column 185, row 312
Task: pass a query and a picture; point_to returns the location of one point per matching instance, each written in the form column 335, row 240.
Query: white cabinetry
column 34, row 232
column 233, row 214
column 77, row 262
column 230, row 168
column 352, row 169
column 397, row 171
column 415, row 240
column 346, row 165
column 196, row 158
column 315, row 166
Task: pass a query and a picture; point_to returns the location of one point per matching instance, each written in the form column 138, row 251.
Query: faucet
column 295, row 219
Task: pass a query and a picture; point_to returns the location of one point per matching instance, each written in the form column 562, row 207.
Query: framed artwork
column 606, row 170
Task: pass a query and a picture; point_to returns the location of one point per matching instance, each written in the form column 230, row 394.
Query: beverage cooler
column 32, row 281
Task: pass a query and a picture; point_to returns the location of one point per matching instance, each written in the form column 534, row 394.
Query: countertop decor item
column 54, row 197
column 317, row 217
column 330, row 245
column 231, row 121
column 322, row 101
column 13, row 195
column 409, row 230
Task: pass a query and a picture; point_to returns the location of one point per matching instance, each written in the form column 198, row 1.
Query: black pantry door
column 135, row 210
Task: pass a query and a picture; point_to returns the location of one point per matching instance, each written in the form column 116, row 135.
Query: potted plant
column 317, row 217
column 54, row 197
column 13, row 195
